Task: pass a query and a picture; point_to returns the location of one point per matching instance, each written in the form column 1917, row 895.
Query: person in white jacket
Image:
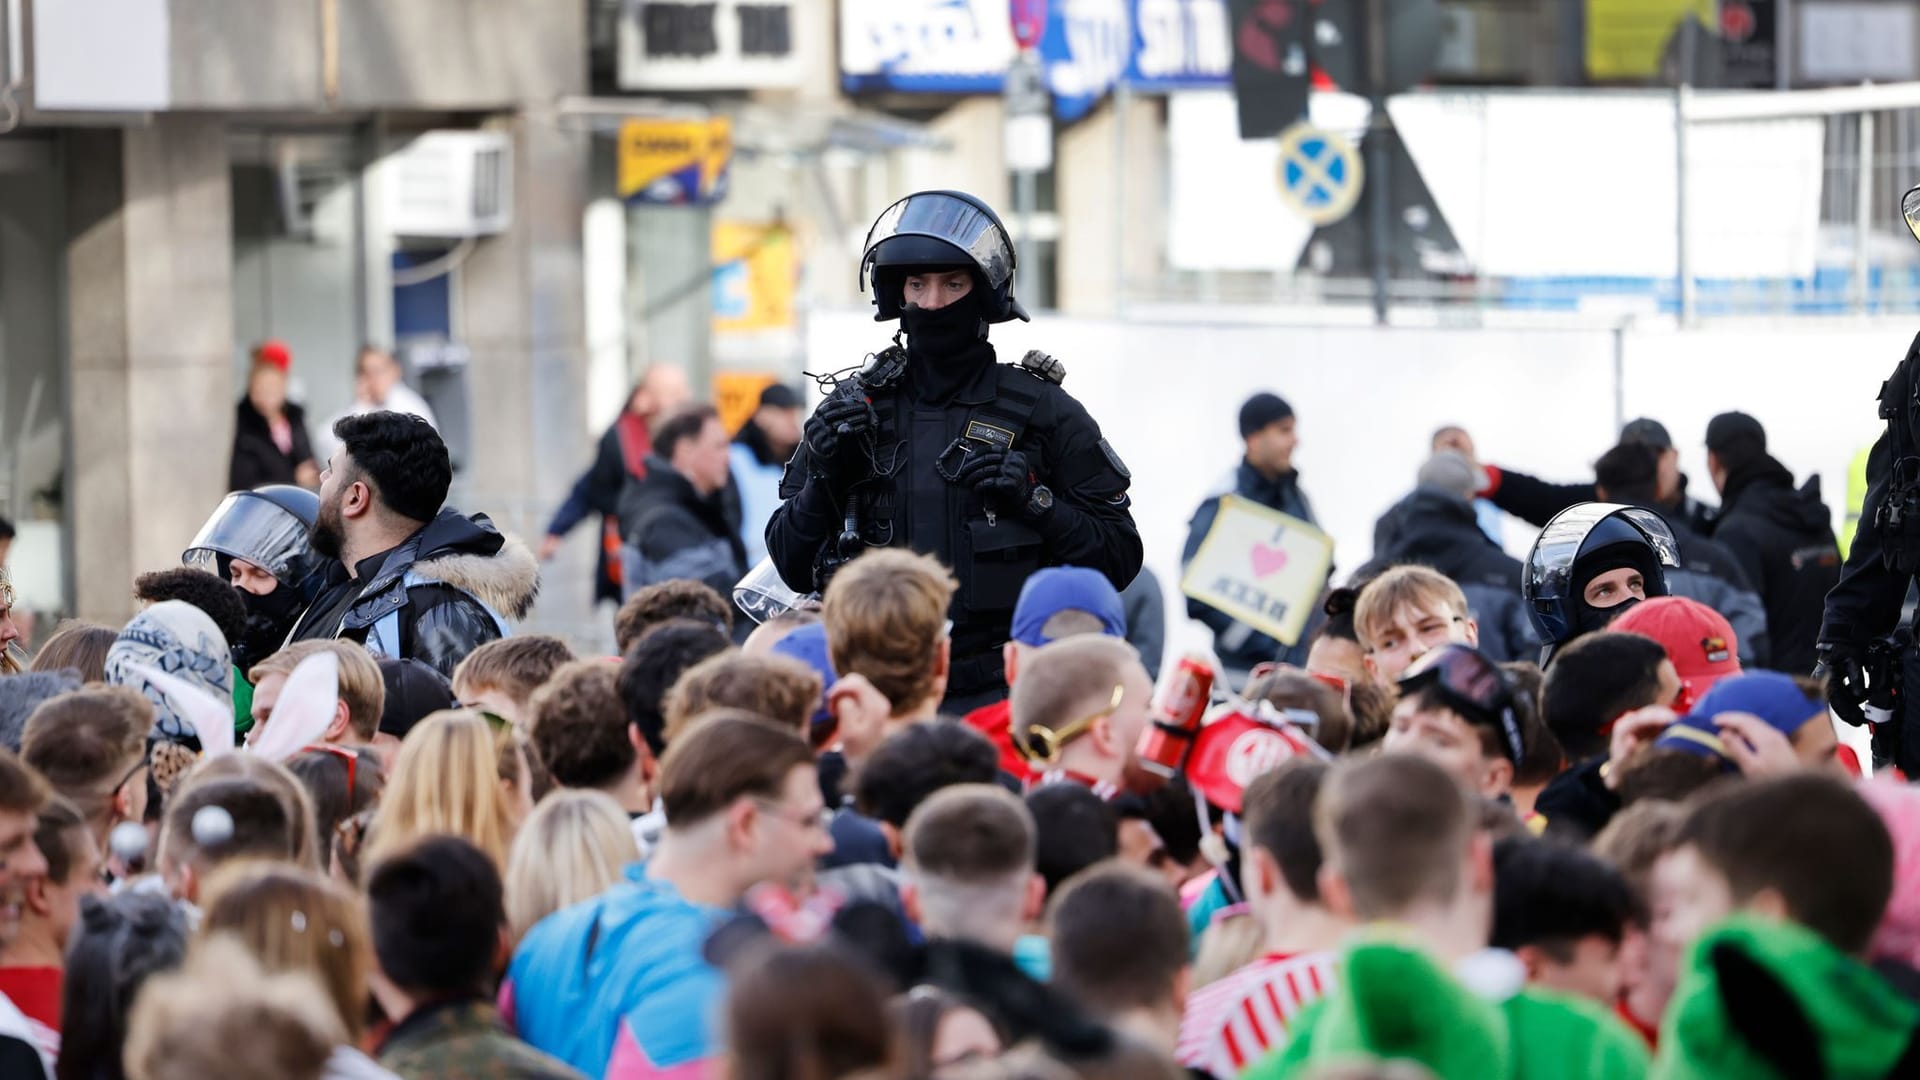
column 379, row 384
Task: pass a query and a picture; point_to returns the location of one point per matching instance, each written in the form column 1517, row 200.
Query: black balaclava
column 270, row 619
column 946, row 347
column 1588, row 619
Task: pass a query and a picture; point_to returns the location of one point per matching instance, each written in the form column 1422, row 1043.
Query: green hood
column 1763, row 1000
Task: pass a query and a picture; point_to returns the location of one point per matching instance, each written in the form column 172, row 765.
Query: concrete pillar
column 669, row 289
column 520, row 309
column 1100, row 241
column 150, row 327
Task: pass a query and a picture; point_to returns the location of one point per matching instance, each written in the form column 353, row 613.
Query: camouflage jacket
column 465, row 1040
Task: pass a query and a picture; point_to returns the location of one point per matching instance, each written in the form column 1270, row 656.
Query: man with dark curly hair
column 413, row 578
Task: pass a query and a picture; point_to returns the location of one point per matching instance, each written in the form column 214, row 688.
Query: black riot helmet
column 267, row 527
column 1581, row 543
column 931, row 230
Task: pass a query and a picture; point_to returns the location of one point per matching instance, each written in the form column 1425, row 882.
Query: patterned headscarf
column 181, row 640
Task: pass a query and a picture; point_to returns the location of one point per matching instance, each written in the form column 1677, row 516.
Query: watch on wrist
column 1040, row 501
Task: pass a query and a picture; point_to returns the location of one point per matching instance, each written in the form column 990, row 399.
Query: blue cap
column 1769, row 695
column 1066, row 588
column 808, row 644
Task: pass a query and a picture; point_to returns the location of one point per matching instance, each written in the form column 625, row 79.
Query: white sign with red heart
column 1260, row 566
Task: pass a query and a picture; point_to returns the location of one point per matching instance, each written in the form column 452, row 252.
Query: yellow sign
column 674, row 161
column 736, row 394
column 1261, row 567
column 1628, row 39
column 754, row 274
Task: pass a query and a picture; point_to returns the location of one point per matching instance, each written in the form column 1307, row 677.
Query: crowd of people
column 428, row 846
column 323, row 809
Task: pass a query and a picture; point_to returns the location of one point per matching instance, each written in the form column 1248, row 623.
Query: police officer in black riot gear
column 1864, row 654
column 935, row 446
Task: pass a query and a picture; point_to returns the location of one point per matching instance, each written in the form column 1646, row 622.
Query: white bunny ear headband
column 307, row 705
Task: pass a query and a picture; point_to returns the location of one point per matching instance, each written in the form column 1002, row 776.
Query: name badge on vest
column 998, row 437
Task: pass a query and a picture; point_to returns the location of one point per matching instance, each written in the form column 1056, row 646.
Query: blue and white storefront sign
column 1086, row 50
column 1180, row 45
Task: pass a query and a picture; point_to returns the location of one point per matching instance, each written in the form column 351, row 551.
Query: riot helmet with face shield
column 940, row 230
column 266, row 529
column 1583, row 569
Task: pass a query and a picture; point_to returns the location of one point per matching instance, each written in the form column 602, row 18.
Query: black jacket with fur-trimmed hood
column 445, row 591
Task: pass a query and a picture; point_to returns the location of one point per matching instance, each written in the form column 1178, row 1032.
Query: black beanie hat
column 1261, row 410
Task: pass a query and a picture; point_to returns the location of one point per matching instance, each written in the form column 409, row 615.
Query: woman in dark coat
column 270, row 433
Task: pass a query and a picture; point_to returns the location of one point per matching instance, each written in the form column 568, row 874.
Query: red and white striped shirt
column 1231, row 1024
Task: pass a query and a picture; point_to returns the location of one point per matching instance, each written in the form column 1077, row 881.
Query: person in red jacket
column 1058, row 602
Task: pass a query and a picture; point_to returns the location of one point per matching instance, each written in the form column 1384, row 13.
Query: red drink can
column 1176, row 717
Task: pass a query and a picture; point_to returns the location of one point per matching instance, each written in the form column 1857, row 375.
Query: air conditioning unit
column 451, row 185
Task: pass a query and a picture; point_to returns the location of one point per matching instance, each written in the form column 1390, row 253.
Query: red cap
column 1230, row 751
column 1698, row 640
column 273, row 351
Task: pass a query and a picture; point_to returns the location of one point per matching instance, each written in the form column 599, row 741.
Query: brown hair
column 1811, row 838
column 1278, row 817
column 1119, row 939
column 77, row 646
column 297, row 920
column 1635, row 839
column 813, row 1012
column 278, row 779
column 779, row 688
column 1397, row 827
column 1372, row 708
column 87, row 742
column 676, row 599
column 53, row 835
column 579, row 725
column 971, row 834
column 445, row 780
column 223, row 1016
column 1067, row 680
column 515, row 666
column 360, row 684
column 884, row 613
column 1545, row 758
column 1298, row 690
column 1398, row 587
column 256, row 824
column 22, row 790
column 730, row 755
column 324, row 772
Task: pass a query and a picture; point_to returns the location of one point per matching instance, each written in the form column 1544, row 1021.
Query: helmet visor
column 247, row 527
column 1550, row 565
column 762, row 594
column 955, row 221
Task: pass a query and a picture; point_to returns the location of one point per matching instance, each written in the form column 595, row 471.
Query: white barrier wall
column 1368, row 399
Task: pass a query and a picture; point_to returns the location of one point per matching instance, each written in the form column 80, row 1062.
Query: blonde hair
column 285, row 786
column 446, row 780
column 297, row 920
column 223, row 1018
column 1229, row 944
column 360, row 684
column 1399, row 587
column 884, row 612
column 573, row 846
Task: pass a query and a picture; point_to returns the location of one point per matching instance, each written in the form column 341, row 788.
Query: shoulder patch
column 1113, row 459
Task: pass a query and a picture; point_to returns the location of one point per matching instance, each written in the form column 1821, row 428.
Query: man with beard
column 991, row 468
column 412, row 579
